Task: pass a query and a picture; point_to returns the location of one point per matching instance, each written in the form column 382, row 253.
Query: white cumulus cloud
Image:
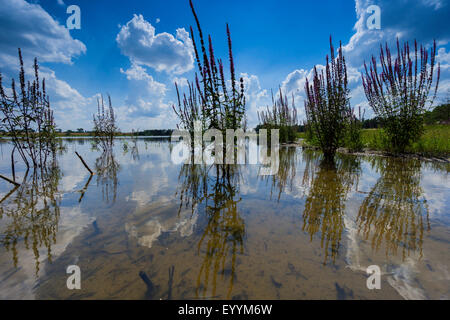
column 163, row 52
column 31, row 28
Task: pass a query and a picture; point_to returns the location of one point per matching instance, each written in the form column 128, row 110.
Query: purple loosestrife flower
column 230, row 54
column 218, row 109
column 400, row 93
column 327, row 105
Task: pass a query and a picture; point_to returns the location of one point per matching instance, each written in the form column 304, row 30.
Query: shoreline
column 371, row 152
column 301, row 144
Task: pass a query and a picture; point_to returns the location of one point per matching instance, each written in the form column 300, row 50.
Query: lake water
column 223, row 232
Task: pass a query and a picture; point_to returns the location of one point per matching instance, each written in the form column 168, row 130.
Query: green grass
column 300, row 135
column 373, row 139
column 435, row 142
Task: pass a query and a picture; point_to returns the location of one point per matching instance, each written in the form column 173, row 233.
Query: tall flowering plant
column 282, row 116
column 216, row 102
column 399, row 94
column 327, row 103
column 105, row 127
column 28, row 117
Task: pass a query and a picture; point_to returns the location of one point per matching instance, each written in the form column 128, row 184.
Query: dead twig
column 84, row 163
column 170, row 284
column 85, row 188
column 10, row 181
column 9, row 194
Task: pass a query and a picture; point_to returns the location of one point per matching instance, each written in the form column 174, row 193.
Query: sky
column 136, row 50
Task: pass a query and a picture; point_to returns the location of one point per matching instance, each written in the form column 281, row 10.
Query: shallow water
column 215, row 232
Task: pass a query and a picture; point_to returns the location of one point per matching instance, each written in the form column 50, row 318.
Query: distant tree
column 440, row 114
column 80, row 130
column 447, row 97
column 371, row 123
column 155, row 132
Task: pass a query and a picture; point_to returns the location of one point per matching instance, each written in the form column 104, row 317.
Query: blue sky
column 135, row 50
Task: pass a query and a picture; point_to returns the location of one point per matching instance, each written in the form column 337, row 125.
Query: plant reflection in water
column 395, row 210
column 216, row 188
column 227, row 249
column 31, row 213
column 328, row 188
column 283, row 180
column 106, row 168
